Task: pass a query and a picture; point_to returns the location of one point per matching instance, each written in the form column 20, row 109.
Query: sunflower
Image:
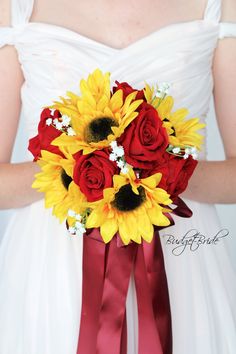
column 182, row 132
column 55, row 180
column 97, row 116
column 131, row 208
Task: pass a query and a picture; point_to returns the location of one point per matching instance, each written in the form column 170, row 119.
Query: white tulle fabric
column 40, row 265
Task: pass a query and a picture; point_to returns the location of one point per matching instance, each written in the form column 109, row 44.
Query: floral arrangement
column 115, row 158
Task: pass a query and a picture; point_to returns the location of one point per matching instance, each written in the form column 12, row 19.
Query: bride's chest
column 116, row 23
column 54, row 60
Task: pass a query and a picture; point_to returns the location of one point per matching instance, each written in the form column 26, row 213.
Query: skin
column 213, row 181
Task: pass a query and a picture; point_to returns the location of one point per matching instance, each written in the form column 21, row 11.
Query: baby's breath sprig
column 161, row 92
column 78, row 227
column 183, row 152
column 118, row 155
column 62, row 123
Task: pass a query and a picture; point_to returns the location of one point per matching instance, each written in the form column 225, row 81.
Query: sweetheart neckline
column 108, row 47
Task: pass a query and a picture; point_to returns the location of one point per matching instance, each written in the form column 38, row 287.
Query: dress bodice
column 54, row 59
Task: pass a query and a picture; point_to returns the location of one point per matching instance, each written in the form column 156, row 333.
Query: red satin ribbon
column 106, row 275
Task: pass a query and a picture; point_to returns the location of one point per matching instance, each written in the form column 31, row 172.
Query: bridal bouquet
column 114, row 161
column 115, row 158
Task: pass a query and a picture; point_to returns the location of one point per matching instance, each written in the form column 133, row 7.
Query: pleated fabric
column 40, row 264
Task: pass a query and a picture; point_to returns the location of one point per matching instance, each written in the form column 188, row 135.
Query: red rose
column 46, row 134
column 93, row 173
column 176, row 172
column 184, row 170
column 145, row 139
column 127, row 89
column 34, row 147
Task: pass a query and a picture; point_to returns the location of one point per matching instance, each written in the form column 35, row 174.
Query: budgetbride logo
column 193, row 239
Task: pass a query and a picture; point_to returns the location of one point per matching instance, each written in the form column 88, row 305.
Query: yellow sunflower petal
column 68, row 166
column 152, row 181
column 145, row 227
column 116, row 101
column 108, row 229
column 157, row 217
column 124, row 232
column 148, row 93
column 132, row 223
column 165, row 107
column 179, row 115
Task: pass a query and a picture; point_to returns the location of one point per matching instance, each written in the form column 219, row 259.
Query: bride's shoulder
column 228, row 11
column 5, row 11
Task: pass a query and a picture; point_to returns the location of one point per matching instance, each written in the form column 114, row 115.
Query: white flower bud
column 185, row 156
column 188, row 151
column 125, row 170
column 71, row 132
column 49, row 121
column 78, row 217
column 65, row 120
column 195, row 156
column 59, row 126
column 80, row 230
column 72, row 230
column 78, row 224
column 71, row 213
column 119, row 151
column 113, row 144
column 120, row 164
column 163, row 89
column 112, row 157
column 176, row 150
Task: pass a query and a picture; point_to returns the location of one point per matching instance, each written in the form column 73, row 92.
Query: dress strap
column 21, row 11
column 227, row 29
column 213, row 11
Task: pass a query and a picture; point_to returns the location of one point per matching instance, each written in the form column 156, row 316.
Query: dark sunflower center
column 99, row 129
column 65, row 179
column 126, row 199
column 174, row 133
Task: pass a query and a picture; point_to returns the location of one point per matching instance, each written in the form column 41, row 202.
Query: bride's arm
column 15, row 179
column 215, row 181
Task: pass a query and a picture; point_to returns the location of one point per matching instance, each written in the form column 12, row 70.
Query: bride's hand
column 213, row 182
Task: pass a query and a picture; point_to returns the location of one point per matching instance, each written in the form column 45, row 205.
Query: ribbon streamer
column 106, row 275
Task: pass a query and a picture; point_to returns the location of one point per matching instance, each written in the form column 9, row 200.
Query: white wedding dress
column 41, row 265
